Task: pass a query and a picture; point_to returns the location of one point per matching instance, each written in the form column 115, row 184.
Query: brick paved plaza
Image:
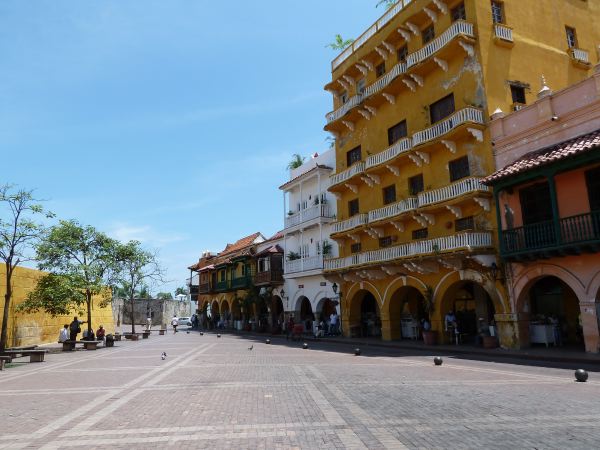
column 215, row 393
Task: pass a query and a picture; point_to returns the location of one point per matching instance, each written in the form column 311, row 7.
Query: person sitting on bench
column 64, row 334
column 101, row 333
column 88, row 335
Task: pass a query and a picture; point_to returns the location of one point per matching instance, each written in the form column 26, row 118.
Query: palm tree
column 340, row 43
column 296, row 161
column 387, row 3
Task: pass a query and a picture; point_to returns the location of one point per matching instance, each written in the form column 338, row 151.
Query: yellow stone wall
column 39, row 328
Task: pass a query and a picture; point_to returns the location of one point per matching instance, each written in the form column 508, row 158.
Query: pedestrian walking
column 148, row 323
column 75, row 328
column 174, row 323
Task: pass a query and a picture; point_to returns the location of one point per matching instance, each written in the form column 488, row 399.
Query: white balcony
column 382, row 82
column 342, row 110
column 503, row 32
column 452, row 191
column 352, row 222
column 341, row 177
column 463, row 241
column 456, row 29
column 580, row 55
column 401, row 146
column 393, row 210
column 308, row 214
column 465, row 115
column 304, row 264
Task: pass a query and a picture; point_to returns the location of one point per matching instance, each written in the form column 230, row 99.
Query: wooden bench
column 69, row 346
column 3, row 360
column 161, row 332
column 34, row 355
column 132, row 336
column 146, row 334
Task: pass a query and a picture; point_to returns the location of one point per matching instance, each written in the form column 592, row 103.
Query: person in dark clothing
column 75, row 328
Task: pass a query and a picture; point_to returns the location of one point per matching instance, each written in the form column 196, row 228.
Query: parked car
column 185, row 322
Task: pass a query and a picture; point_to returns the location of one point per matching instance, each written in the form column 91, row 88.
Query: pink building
column 547, row 193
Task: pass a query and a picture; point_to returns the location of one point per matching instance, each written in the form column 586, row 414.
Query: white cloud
column 145, row 234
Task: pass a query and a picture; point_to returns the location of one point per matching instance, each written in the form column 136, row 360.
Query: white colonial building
column 309, row 210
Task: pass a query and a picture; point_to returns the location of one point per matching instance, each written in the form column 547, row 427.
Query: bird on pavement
column 163, row 355
column 251, row 347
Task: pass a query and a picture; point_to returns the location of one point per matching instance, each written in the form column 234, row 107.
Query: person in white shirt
column 174, row 323
column 64, row 334
column 333, row 320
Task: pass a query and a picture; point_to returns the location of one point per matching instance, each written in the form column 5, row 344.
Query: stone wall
column 161, row 311
column 38, row 328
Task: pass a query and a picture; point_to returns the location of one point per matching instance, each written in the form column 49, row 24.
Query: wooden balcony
column 241, row 282
column 204, row 288
column 567, row 236
column 268, row 277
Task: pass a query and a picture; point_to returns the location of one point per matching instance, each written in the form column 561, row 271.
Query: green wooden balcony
column 567, row 236
column 241, row 282
column 222, row 286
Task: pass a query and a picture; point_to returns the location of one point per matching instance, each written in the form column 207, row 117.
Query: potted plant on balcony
column 293, row 256
column 326, row 248
column 290, row 213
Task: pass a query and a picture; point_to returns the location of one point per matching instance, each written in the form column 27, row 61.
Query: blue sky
column 170, row 121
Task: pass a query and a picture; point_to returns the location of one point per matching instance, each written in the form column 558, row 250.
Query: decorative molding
column 483, row 202
column 398, row 226
column 451, row 263
column 405, row 34
column 367, row 180
column 354, row 237
column 392, row 270
column 349, row 124
column 371, row 109
column 467, row 48
column 432, row 14
column 430, row 218
column 367, row 64
column 365, row 114
column 414, row 158
column 348, row 79
column 362, row 69
column 390, row 48
column 441, row 6
column 412, row 27
column 410, row 84
column 477, row 134
column 375, row 232
column 450, row 145
column 394, row 169
column 420, row 220
column 390, row 98
column 456, row 210
column 352, row 187
column 424, row 156
column 442, row 63
column 417, row 78
column 345, row 85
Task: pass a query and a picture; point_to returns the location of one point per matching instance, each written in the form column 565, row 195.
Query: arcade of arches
column 474, row 311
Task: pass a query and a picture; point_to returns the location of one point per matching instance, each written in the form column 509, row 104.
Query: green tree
column 181, row 291
column 83, row 257
column 339, row 43
column 164, row 296
column 296, row 161
column 136, row 268
column 54, row 294
column 19, row 231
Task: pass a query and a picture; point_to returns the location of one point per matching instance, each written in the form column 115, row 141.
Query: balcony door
column 536, row 210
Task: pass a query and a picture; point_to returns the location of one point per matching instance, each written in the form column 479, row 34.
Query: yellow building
column 40, row 328
column 412, row 100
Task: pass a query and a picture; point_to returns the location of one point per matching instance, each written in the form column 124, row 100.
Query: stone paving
column 215, row 393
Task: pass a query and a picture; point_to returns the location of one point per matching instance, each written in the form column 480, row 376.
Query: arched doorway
column 225, row 315
column 467, row 314
column 407, row 310
column 554, row 314
column 306, row 313
column 276, row 315
column 214, row 313
column 365, row 317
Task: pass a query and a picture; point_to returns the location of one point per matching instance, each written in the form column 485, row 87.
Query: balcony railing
column 270, row 276
column 552, row 235
column 454, row 190
column 241, row 282
column 313, row 212
column 460, row 117
column 464, row 241
column 456, row 29
column 355, row 169
column 352, row 222
column 393, row 210
column 222, row 285
column 370, row 32
column 401, row 146
column 580, row 55
column 304, row 264
column 503, row 32
column 204, row 288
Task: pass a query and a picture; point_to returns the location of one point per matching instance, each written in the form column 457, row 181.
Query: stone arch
column 363, row 313
column 402, row 281
column 325, row 307
column 365, row 286
column 451, row 278
column 277, row 314
column 528, row 278
column 404, row 310
column 593, row 290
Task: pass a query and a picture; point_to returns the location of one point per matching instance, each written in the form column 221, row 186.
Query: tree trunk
column 7, row 298
column 132, row 316
column 88, row 296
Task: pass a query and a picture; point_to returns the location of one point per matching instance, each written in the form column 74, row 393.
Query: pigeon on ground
column 163, row 355
column 251, row 347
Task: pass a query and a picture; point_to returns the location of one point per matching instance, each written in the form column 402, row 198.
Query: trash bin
column 110, row 340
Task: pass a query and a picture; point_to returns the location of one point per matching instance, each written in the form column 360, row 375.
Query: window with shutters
column 497, row 12
column 353, row 156
column 380, row 69
column 536, row 205
column 389, row 194
column 397, row 132
column 464, row 224
column 420, row 234
column 415, row 184
column 353, row 207
column 402, row 53
column 355, row 248
column 385, row 241
column 360, row 86
column 458, row 12
column 428, row 34
column 459, row 168
column 441, row 109
column 517, row 93
column 571, row 37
